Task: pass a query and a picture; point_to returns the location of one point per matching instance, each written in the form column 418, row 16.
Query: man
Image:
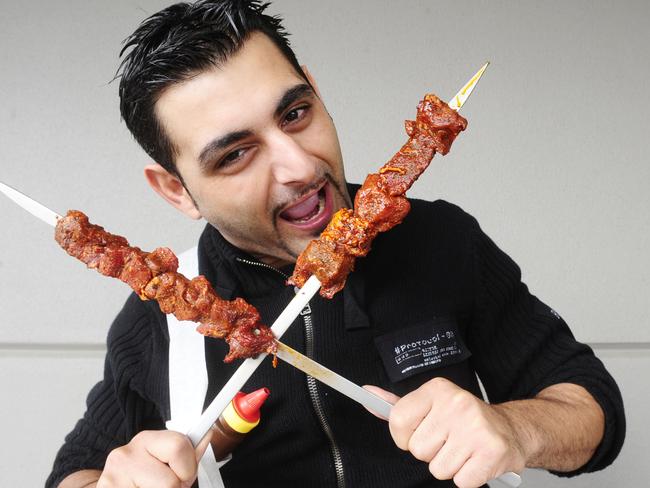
column 240, row 137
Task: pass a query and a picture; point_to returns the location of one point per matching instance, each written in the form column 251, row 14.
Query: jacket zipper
column 312, row 386
column 316, row 401
column 262, row 265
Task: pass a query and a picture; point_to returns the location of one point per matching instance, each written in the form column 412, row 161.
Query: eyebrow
column 220, row 143
column 291, row 95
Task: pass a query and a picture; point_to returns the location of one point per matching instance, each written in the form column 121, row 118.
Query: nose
column 290, row 162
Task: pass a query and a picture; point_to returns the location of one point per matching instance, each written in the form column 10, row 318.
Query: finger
column 175, row 450
column 406, row 416
column 199, row 451
column 153, row 475
column 381, row 393
column 106, row 480
column 82, row 478
column 203, row 444
column 474, row 473
column 116, row 470
column 426, row 448
column 129, row 468
column 448, row 460
column 428, row 438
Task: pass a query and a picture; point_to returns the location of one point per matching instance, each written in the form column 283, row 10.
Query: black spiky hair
column 176, row 43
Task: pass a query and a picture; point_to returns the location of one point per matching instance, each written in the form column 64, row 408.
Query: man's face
column 257, row 151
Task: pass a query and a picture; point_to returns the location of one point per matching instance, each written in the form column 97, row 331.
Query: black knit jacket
column 434, row 287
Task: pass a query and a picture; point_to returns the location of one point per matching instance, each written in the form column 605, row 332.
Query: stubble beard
column 282, row 242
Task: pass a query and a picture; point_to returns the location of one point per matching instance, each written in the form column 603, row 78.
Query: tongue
column 302, row 209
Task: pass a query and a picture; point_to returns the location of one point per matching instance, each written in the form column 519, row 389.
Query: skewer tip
column 461, row 97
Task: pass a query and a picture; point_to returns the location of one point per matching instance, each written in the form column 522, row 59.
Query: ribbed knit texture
column 533, row 347
column 438, row 263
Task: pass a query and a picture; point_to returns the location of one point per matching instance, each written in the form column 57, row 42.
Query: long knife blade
column 31, row 205
column 334, row 380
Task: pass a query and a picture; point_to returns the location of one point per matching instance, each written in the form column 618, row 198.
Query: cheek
column 238, row 197
column 322, row 141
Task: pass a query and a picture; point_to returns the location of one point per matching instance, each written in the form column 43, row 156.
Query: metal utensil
column 334, row 380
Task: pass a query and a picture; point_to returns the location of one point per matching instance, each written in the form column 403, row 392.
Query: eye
column 232, row 157
column 295, row 115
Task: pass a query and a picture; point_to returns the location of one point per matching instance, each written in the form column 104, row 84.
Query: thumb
column 381, row 393
column 199, row 450
column 203, row 444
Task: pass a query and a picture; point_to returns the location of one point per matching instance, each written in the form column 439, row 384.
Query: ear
column 171, row 189
column 311, row 79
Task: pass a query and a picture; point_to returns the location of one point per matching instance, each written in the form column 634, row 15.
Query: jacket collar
column 227, row 268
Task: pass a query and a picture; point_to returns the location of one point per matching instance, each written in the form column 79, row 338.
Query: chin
column 294, row 246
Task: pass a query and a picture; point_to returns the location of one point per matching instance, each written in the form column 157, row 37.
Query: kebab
column 380, row 204
column 153, row 276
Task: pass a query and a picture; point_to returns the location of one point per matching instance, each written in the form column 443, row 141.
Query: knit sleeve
column 115, row 407
column 521, row 346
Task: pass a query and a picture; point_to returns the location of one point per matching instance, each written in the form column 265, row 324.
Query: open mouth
column 312, row 212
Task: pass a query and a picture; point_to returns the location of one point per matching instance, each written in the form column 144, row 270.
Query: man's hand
column 457, row 434
column 153, row 459
column 464, row 438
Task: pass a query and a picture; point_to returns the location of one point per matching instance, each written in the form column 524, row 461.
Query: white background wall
column 554, row 165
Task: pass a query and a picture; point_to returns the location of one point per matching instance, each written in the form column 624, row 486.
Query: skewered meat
column 380, row 203
column 153, row 276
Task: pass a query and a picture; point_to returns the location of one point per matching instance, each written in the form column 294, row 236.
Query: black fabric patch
column 410, row 351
